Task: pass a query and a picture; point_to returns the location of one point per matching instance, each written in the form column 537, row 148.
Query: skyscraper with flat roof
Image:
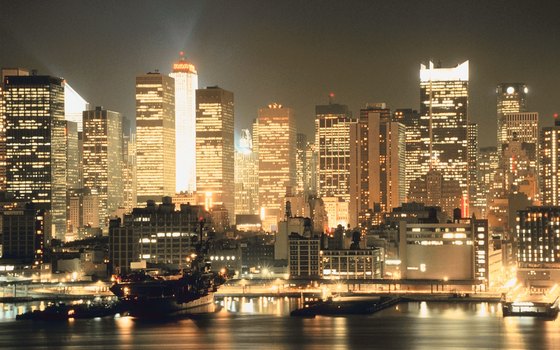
column 186, row 84
column 215, row 151
column 444, row 102
column 36, row 145
column 155, row 136
column 102, row 157
column 276, row 134
column 511, row 98
column 550, row 163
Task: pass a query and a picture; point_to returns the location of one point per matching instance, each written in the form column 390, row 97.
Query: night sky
column 292, row 52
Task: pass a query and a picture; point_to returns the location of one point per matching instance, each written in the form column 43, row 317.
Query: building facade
column 511, row 98
column 155, row 136
column 215, row 151
column 186, row 84
column 550, row 164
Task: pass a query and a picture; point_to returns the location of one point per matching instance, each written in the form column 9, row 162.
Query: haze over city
column 291, row 52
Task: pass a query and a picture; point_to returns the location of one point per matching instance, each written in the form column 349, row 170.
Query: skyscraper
column 511, row 98
column 472, row 146
column 73, row 155
column 488, row 164
column 550, row 163
column 332, row 127
column 36, row 145
column 377, row 163
column 74, row 106
column 523, row 126
column 186, row 84
column 276, row 133
column 246, row 176
column 301, row 164
column 215, row 148
column 102, row 155
column 444, row 120
column 414, row 148
column 155, row 136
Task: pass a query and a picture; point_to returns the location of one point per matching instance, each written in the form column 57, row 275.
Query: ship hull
column 162, row 307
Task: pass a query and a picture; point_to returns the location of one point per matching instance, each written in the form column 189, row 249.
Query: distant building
column 511, row 98
column 444, row 122
column 414, row 148
column 550, row 163
column 215, row 151
column 36, row 145
column 303, row 258
column 433, row 189
column 103, row 160
column 246, row 176
column 276, row 141
column 186, row 84
column 352, row 264
column 155, row 136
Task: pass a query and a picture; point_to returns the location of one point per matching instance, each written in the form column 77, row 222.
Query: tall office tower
column 5, row 72
column 186, row 84
column 36, row 145
column 523, row 126
column 472, row 156
column 444, row 120
column 246, row 176
column 511, row 98
column 310, row 181
column 276, row 134
column 550, row 163
column 215, row 148
column 488, row 163
column 74, row 106
column 73, row 155
column 301, row 164
column 155, row 137
column 411, row 120
column 129, row 171
column 332, row 127
column 377, row 163
column 103, row 140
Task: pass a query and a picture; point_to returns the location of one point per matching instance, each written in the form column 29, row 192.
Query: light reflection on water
column 246, row 323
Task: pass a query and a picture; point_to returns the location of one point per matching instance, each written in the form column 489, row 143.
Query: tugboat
column 190, row 291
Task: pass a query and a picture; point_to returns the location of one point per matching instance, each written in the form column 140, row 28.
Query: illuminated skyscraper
column 36, row 145
column 73, row 155
column 301, row 164
column 276, row 134
column 332, row 127
column 550, row 163
column 246, row 176
column 472, row 146
column 443, row 121
column 186, row 84
column 523, row 126
column 129, row 171
column 377, row 163
column 5, row 72
column 102, row 149
column 215, row 148
column 414, row 148
column 488, row 164
column 511, row 98
column 155, row 137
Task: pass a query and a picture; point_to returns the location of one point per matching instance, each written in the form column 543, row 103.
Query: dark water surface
column 263, row 323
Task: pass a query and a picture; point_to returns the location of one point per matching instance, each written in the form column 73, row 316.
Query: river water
column 264, row 323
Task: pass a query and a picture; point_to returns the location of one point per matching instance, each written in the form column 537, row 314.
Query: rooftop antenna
column 331, row 98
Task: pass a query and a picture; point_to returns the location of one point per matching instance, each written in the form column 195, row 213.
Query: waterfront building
column 155, row 136
column 23, row 234
column 444, row 122
column 538, row 247
column 377, row 159
column 186, row 84
column 102, row 159
column 359, row 264
column 445, row 251
column 36, row 146
column 511, row 98
column 332, row 144
column 276, row 135
column 550, row 163
column 303, row 258
column 215, row 151
column 157, row 234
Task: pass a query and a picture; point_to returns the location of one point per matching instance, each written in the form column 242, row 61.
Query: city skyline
column 297, row 65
